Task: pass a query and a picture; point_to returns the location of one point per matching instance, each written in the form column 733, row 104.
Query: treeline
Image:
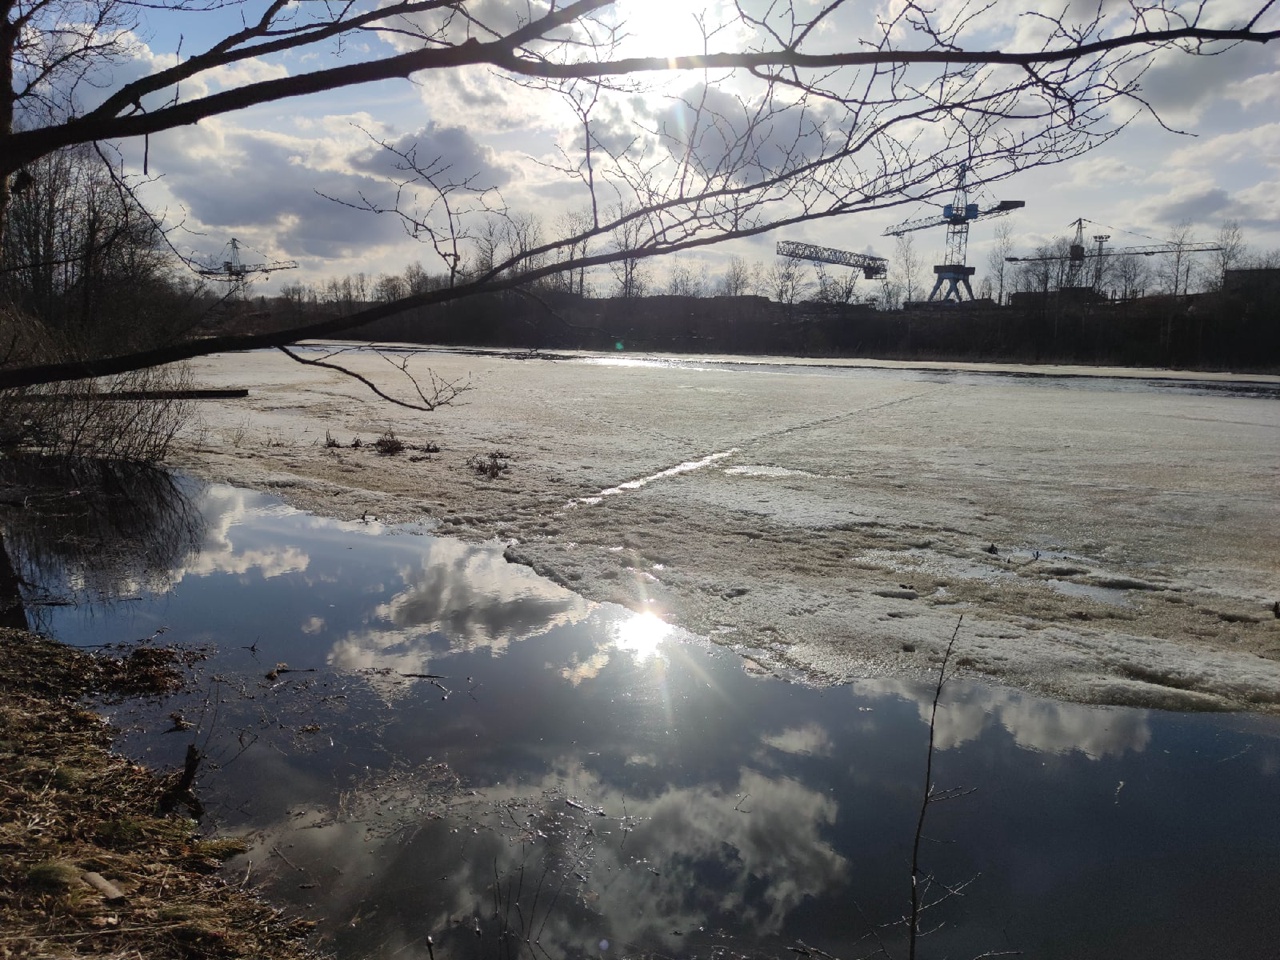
column 1235, row 328
column 85, row 270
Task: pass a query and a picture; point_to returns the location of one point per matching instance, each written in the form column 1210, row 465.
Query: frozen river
column 1109, row 538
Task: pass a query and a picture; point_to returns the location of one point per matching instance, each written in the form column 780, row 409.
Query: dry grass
column 68, row 807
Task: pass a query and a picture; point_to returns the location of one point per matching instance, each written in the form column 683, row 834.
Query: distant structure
column 234, row 271
column 956, row 217
column 1077, row 254
column 873, row 268
column 1255, row 282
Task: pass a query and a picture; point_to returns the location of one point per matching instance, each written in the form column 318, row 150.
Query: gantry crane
column 1077, row 254
column 956, row 216
column 872, row 267
column 233, row 270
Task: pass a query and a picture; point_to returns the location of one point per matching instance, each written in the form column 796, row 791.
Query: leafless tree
column 389, row 288
column 997, row 262
column 776, row 122
column 630, row 233
column 736, row 279
column 1232, row 253
column 1131, row 274
column 788, row 280
column 1175, row 266
column 906, row 267
column 836, row 287
column 1045, row 269
column 685, row 282
column 86, row 262
column 1266, row 260
column 574, row 278
column 417, row 279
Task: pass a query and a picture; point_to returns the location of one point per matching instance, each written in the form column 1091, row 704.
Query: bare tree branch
column 441, row 393
column 809, row 128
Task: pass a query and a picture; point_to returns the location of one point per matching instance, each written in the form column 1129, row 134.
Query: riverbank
column 89, row 866
column 1109, row 539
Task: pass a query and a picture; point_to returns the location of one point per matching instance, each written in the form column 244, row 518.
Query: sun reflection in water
column 641, row 635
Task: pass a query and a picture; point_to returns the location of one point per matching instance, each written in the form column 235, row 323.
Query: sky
column 288, row 179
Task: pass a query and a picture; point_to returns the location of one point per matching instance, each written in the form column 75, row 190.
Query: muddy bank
column 89, row 865
column 1107, row 540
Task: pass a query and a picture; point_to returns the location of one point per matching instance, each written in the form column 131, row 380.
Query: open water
column 435, row 753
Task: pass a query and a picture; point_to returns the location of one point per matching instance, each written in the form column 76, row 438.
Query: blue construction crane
column 956, row 217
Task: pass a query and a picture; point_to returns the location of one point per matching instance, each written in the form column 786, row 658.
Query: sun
column 641, row 635
column 666, row 28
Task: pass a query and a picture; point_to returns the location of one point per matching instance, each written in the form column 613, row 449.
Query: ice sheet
column 1106, row 540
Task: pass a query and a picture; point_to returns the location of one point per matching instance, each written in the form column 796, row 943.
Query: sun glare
column 641, row 635
column 666, row 28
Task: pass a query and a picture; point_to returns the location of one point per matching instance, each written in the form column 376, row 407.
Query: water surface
column 423, row 741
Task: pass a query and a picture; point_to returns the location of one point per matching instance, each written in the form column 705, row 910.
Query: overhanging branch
column 23, row 146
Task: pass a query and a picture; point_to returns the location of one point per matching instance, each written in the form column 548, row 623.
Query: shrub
column 133, row 416
column 388, row 445
column 491, row 466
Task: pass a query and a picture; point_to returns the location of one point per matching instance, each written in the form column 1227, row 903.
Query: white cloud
column 255, row 175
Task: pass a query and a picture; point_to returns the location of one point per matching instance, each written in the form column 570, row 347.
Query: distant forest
column 1236, row 328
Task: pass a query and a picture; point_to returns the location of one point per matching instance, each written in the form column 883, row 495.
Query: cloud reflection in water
column 1044, row 726
column 461, row 597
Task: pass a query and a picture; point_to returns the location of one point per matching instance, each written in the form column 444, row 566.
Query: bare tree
column 1234, row 251
column 417, row 279
column 788, row 282
column 684, row 282
column 997, row 258
column 389, row 288
column 1131, row 273
column 782, row 127
column 630, row 272
column 836, row 287
column 736, row 280
column 906, row 267
column 1175, row 266
column 574, row 278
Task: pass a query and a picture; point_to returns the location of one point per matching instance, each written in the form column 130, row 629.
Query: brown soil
column 89, row 866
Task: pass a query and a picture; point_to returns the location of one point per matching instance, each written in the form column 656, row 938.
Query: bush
column 491, row 466
column 388, row 445
column 125, row 417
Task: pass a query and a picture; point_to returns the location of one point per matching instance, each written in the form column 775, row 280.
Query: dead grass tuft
column 492, row 466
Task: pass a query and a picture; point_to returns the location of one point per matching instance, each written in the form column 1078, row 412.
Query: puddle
column 1108, row 595
column 423, row 741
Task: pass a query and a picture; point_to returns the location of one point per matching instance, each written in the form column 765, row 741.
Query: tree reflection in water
column 89, row 532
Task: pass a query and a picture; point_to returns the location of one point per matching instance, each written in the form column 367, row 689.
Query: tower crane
column 956, row 216
column 872, row 267
column 233, row 270
column 1077, row 254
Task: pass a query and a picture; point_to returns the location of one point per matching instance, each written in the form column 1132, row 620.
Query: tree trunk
column 8, row 44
